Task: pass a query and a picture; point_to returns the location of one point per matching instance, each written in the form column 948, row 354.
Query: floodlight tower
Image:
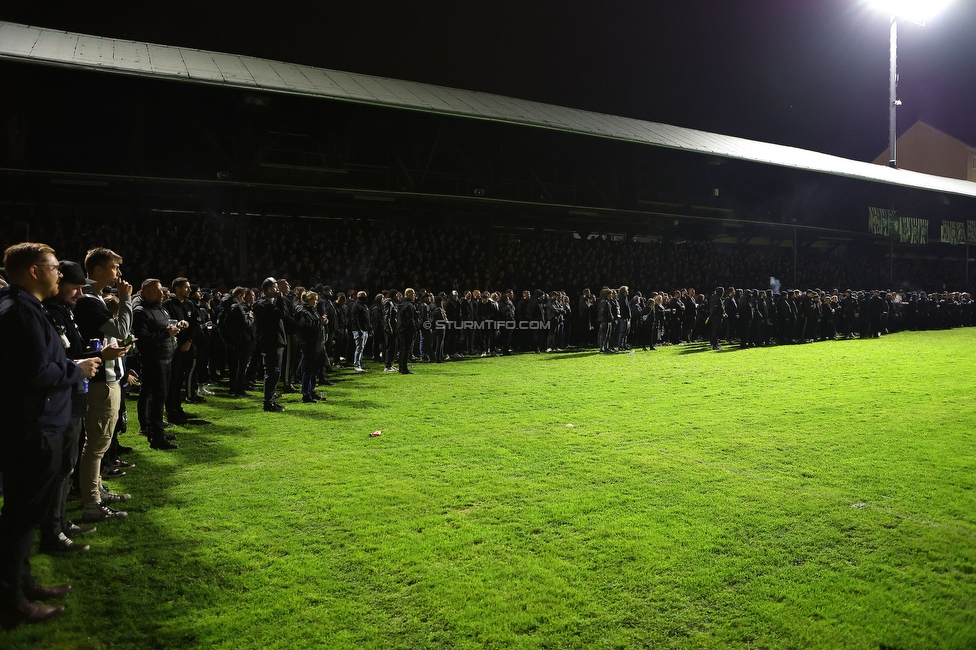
column 916, row 11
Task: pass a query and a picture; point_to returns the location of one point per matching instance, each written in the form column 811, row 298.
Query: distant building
column 925, row 149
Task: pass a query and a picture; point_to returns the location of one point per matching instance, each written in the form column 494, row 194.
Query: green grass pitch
column 814, row 496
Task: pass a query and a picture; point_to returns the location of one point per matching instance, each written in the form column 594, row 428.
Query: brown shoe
column 29, row 612
column 46, row 593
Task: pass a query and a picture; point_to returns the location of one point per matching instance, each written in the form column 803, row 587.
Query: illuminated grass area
column 816, row 496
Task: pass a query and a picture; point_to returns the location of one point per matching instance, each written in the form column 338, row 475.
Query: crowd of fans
column 372, row 256
column 91, row 338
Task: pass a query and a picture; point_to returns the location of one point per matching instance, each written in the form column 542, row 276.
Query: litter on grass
column 376, row 434
column 569, row 426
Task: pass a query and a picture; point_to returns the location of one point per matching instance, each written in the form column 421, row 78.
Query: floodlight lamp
column 916, row 11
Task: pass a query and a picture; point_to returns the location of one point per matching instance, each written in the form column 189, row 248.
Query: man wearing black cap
column 269, row 325
column 55, row 528
column 36, row 382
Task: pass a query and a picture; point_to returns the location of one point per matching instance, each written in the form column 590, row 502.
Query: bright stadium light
column 916, row 11
column 911, row 10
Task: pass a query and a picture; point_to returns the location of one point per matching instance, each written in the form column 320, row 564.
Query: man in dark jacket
column 238, row 333
column 310, row 326
column 716, row 315
column 36, row 382
column 269, row 324
column 56, row 527
column 182, row 311
column 155, row 333
column 391, row 328
column 409, row 324
column 359, row 325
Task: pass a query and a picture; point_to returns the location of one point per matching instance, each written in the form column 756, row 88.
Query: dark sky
column 806, row 73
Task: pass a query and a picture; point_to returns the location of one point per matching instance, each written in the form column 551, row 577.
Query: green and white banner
column 971, row 232
column 953, row 232
column 912, row 230
column 880, row 221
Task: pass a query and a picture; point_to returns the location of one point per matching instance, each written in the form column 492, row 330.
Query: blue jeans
column 360, row 338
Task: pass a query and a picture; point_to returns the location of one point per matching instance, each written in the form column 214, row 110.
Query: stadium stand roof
column 46, row 46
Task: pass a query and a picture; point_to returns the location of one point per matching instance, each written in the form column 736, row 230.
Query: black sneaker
column 126, row 450
column 108, row 498
column 75, row 529
column 63, row 545
column 114, row 472
column 98, row 512
column 162, row 444
column 274, row 407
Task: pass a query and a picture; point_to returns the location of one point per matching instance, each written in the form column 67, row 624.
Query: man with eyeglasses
column 36, row 383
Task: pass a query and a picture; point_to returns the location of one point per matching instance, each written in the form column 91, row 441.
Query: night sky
column 811, row 73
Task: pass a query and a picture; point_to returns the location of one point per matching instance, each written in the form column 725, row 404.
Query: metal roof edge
column 66, row 49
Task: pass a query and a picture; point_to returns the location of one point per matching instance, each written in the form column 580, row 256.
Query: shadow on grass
column 140, row 577
column 563, row 356
column 695, row 348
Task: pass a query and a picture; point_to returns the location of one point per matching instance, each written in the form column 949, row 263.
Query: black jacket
column 359, row 317
column 77, row 348
column 238, row 326
column 310, row 329
column 36, row 376
column 269, row 322
column 153, row 341
column 409, row 317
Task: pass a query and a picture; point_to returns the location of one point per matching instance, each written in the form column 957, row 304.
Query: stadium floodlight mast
column 915, row 11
